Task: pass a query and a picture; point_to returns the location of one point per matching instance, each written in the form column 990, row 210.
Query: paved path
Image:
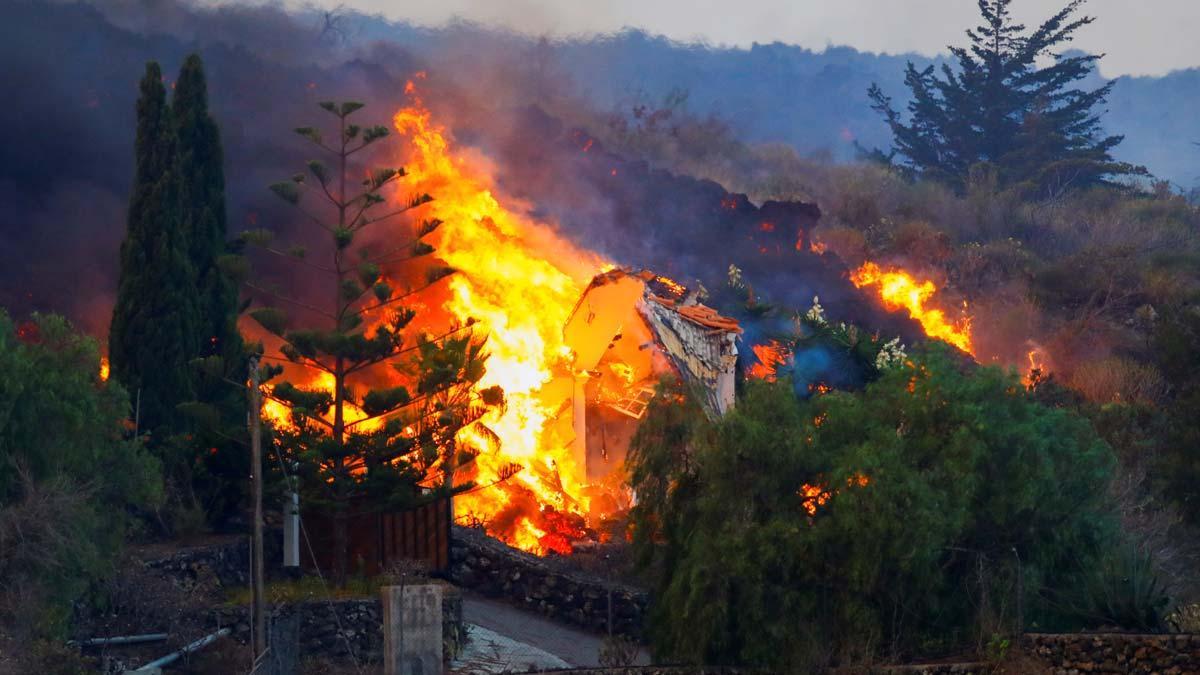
column 572, row 645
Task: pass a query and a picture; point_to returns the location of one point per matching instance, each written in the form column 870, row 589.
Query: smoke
column 66, row 164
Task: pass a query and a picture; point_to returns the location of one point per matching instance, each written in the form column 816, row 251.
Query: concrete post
column 291, row 530
column 412, row 629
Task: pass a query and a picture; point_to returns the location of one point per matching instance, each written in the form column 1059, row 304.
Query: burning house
column 628, row 329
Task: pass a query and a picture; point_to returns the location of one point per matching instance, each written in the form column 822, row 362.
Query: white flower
column 735, row 276
column 890, row 355
column 817, row 313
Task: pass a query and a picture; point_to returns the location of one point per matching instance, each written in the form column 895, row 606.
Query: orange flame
column 519, row 280
column 104, row 369
column 900, row 290
column 770, row 356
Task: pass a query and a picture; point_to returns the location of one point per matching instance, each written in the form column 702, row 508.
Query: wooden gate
column 377, row 540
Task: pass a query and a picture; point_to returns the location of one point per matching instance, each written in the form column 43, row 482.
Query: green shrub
column 791, row 534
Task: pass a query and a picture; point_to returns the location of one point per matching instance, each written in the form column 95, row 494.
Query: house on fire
column 629, row 328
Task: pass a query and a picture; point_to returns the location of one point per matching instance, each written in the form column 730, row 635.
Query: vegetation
column 906, row 519
column 155, row 326
column 999, row 116
column 177, row 304
column 394, row 440
column 70, row 480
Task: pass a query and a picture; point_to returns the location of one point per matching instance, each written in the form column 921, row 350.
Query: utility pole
column 258, row 609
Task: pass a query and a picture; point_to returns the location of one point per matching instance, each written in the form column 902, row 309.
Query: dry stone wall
column 494, row 569
column 1069, row 654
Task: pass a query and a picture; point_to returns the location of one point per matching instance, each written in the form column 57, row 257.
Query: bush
column 69, row 479
column 893, row 521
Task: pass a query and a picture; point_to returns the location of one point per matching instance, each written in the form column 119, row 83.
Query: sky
column 1140, row 37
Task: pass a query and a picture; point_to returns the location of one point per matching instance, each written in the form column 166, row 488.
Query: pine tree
column 384, row 431
column 153, row 334
column 998, row 112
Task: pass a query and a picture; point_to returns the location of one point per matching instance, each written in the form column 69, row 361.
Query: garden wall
column 1116, row 652
column 494, row 569
column 337, row 629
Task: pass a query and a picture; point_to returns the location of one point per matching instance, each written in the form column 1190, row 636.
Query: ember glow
column 104, row 369
column 519, row 281
column 900, row 290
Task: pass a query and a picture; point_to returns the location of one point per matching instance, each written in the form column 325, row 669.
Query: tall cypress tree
column 217, row 476
column 153, row 334
column 998, row 110
column 202, row 196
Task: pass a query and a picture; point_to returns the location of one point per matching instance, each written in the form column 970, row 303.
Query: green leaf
column 352, row 131
column 286, row 191
column 380, row 401
column 350, row 107
column 420, row 248
column 350, row 289
column 368, row 272
column 318, row 169
column 373, row 134
column 257, row 237
column 297, row 251
column 271, row 318
column 382, row 291
column 330, row 106
column 235, row 267
column 311, row 133
column 343, row 237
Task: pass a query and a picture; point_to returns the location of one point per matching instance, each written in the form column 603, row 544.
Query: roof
column 671, row 294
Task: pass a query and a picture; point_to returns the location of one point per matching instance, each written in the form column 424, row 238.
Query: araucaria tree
column 1001, row 117
column 376, row 406
column 155, row 326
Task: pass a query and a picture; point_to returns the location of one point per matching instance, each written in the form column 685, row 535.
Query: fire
column 899, row 289
column 1037, row 366
column 519, row 280
column 104, row 369
column 770, row 356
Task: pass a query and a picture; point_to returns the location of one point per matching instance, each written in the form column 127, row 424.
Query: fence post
column 412, row 629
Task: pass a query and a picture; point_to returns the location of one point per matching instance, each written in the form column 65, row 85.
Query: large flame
column 519, row 280
column 900, row 290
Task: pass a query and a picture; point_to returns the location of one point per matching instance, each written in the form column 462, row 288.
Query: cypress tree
column 153, row 334
column 202, row 196
column 217, row 475
column 999, row 112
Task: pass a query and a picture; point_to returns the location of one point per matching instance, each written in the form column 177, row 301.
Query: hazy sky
column 1139, row 36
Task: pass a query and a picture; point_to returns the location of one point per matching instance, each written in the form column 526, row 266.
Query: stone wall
column 1068, row 654
column 227, row 563
column 340, row 628
column 492, row 568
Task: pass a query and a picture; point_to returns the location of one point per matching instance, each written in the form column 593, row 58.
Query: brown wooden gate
column 377, row 540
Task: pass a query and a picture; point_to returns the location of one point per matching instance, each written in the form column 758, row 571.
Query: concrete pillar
column 412, row 629
column 291, row 530
column 579, row 445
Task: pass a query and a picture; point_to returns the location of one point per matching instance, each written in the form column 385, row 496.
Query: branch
column 315, row 418
column 361, row 365
column 302, row 261
column 293, row 301
column 395, row 299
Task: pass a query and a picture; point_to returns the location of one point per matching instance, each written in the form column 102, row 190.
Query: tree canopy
column 999, row 115
column 899, row 519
